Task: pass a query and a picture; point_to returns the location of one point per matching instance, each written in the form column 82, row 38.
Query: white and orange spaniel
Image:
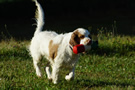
column 57, row 48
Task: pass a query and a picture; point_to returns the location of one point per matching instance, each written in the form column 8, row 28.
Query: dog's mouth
column 80, row 48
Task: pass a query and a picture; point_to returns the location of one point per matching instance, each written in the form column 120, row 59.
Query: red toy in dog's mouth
column 78, row 48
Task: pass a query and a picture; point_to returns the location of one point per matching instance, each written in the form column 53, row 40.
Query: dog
column 56, row 48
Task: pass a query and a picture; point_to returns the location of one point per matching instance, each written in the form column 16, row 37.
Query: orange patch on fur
column 53, row 49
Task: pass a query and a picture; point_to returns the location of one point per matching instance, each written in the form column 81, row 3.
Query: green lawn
column 110, row 66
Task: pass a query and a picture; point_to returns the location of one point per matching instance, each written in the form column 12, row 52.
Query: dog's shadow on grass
column 98, row 83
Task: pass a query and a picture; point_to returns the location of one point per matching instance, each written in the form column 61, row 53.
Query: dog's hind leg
column 36, row 60
column 48, row 72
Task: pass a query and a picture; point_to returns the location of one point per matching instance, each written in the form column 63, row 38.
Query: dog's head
column 81, row 36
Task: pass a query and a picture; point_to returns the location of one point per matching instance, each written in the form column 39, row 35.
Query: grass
column 110, row 66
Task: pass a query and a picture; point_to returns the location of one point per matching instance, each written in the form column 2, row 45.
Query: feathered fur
column 39, row 15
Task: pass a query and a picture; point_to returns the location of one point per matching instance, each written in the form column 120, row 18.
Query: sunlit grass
column 110, row 66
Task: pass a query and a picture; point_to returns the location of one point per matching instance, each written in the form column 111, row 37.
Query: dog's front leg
column 71, row 75
column 55, row 73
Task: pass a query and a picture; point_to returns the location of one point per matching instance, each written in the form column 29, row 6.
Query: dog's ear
column 74, row 40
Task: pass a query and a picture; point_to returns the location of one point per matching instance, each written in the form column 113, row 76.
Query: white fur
column 40, row 47
column 40, row 17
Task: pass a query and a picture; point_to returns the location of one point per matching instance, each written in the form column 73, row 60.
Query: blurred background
column 117, row 16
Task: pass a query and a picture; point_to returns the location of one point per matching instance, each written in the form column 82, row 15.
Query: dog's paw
column 39, row 74
column 49, row 78
column 68, row 78
column 55, row 82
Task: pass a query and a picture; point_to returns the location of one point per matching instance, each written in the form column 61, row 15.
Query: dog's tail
column 39, row 15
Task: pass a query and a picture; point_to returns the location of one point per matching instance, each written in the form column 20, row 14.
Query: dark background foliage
column 16, row 16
